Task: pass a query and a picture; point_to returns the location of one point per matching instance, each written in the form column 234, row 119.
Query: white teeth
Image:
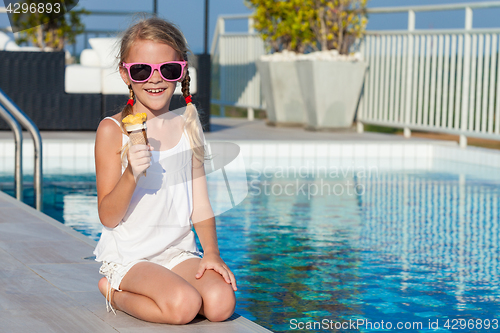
column 154, row 90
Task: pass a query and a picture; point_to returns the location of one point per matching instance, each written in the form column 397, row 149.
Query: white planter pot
column 330, row 91
column 281, row 91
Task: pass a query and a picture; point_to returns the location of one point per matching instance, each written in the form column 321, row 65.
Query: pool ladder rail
column 15, row 117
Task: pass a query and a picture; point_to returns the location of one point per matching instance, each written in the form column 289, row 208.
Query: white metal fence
column 235, row 77
column 433, row 80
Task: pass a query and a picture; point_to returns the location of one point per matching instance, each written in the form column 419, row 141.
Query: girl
column 152, row 267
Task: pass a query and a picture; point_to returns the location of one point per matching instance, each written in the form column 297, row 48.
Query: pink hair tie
column 188, row 99
column 130, row 102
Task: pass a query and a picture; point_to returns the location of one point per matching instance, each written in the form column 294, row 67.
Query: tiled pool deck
column 49, row 283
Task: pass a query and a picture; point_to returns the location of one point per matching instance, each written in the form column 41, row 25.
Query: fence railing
column 433, row 80
column 235, row 79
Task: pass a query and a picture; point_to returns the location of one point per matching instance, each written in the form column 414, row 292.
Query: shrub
column 282, row 24
column 298, row 25
column 57, row 30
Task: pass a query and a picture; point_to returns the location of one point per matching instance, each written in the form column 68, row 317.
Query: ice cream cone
column 135, row 125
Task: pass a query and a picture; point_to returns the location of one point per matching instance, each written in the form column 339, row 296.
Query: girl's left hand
column 215, row 262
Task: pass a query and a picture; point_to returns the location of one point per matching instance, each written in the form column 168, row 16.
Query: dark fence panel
column 35, row 82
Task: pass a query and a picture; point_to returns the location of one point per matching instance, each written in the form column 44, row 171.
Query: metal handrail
column 27, row 123
column 18, row 141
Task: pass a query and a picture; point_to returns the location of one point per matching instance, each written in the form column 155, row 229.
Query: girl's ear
column 124, row 75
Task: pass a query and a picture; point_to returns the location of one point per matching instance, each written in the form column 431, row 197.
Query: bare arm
column 207, row 234
column 204, row 224
column 203, row 216
column 114, row 190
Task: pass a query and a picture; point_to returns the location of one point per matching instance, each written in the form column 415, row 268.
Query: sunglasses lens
column 140, row 72
column 171, row 71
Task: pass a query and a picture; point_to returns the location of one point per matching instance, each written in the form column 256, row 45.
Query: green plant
column 337, row 23
column 56, row 32
column 283, row 25
column 320, row 24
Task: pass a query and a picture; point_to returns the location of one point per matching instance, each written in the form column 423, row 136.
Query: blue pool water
column 414, row 248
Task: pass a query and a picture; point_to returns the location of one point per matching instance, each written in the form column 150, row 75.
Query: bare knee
column 219, row 303
column 182, row 307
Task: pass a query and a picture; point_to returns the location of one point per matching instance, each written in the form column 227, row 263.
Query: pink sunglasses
column 169, row 71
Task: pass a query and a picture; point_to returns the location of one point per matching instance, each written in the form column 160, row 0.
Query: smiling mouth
column 155, row 91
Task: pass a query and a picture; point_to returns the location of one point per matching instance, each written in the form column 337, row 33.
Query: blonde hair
column 161, row 31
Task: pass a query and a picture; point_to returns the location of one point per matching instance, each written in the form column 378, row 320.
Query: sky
column 189, row 15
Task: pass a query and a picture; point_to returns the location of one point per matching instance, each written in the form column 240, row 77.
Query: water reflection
column 410, row 247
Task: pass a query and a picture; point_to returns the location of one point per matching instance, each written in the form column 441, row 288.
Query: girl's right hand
column 139, row 158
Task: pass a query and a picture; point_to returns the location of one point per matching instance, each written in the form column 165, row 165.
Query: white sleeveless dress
column 156, row 226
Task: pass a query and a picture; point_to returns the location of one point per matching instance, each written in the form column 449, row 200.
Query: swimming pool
column 412, row 242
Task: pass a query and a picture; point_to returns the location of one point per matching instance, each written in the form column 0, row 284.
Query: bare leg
column 218, row 296
column 107, row 291
column 104, row 285
column 153, row 293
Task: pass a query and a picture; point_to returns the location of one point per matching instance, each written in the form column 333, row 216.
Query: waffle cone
column 138, row 138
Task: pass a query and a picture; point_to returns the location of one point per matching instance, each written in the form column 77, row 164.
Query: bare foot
column 103, row 288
